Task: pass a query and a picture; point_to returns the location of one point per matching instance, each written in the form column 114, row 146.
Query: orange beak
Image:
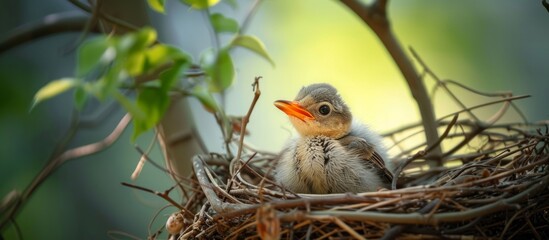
column 293, row 108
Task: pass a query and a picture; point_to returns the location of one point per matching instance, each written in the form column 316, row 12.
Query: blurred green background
column 493, row 45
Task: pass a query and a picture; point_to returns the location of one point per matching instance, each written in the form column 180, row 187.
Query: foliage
column 109, row 66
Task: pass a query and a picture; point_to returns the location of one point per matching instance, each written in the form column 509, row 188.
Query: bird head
column 318, row 110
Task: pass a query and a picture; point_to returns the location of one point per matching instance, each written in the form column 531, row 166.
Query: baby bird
column 333, row 153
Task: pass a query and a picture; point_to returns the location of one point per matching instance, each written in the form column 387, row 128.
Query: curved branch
column 49, row 25
column 375, row 16
column 217, row 204
column 57, row 161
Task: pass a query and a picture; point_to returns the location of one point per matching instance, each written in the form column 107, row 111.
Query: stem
column 245, row 121
column 375, row 16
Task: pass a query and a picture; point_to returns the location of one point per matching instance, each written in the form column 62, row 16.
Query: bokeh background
column 491, row 45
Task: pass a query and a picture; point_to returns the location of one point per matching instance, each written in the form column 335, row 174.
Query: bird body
column 333, row 153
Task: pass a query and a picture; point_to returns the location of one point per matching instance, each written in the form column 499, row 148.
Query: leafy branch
column 138, row 55
column 138, row 72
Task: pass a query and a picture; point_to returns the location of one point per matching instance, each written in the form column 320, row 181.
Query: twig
column 426, row 69
column 444, row 135
column 240, row 229
column 545, row 4
column 348, row 229
column 460, row 111
column 230, row 182
column 165, row 195
column 217, row 204
column 92, row 23
column 536, row 234
column 113, row 233
column 214, row 36
column 142, row 159
column 510, row 221
column 97, row 146
column 422, row 153
column 443, row 83
column 151, row 222
column 249, row 16
column 106, row 17
column 481, row 126
column 470, row 89
column 245, row 121
column 396, row 230
column 146, row 157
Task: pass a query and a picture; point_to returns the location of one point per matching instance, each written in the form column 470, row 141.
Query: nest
column 498, row 189
column 491, row 182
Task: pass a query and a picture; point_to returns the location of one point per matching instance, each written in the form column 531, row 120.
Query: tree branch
column 57, row 160
column 49, row 25
column 375, row 16
column 105, row 16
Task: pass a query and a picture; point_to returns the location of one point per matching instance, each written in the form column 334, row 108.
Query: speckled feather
column 321, row 164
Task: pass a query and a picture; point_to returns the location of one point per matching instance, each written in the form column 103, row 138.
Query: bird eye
column 324, row 109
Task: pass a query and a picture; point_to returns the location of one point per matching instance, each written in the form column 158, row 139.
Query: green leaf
column 92, row 53
column 108, row 83
column 132, row 108
column 157, row 5
column 133, row 48
column 80, row 97
column 201, row 4
column 146, row 36
column 205, row 98
column 136, row 42
column 160, row 54
column 153, row 102
column 222, row 71
column 135, row 64
column 254, row 44
column 169, row 77
column 53, row 89
column 139, row 118
column 221, row 23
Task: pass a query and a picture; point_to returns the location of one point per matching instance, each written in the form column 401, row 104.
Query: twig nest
column 499, row 189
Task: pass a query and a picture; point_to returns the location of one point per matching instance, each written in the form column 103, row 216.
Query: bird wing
column 367, row 152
